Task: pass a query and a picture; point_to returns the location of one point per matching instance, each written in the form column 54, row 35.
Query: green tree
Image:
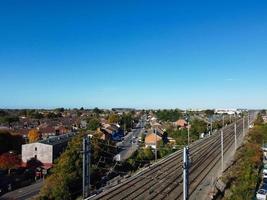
column 169, row 115
column 126, row 121
column 209, row 112
column 93, row 124
column 97, row 111
column 198, row 126
column 66, row 176
column 148, row 153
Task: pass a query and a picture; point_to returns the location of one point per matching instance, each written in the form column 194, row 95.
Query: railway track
column 163, row 180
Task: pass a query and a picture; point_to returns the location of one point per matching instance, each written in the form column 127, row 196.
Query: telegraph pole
column 186, row 173
column 211, row 127
column 235, row 138
column 248, row 119
column 188, row 134
column 243, row 126
column 156, row 157
column 222, row 149
column 86, row 166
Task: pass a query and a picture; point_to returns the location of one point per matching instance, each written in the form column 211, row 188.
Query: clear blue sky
column 144, row 54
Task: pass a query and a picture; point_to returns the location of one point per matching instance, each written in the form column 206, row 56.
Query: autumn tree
column 9, row 161
column 33, row 135
column 113, row 118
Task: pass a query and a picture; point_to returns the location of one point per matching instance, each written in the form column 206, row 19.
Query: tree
column 33, row 135
column 198, row 126
column 96, row 111
column 259, row 120
column 59, row 109
column 93, row 124
column 169, row 115
column 209, row 112
column 113, row 118
column 9, row 161
column 66, row 176
column 66, row 173
column 149, row 155
column 9, row 142
column 126, row 121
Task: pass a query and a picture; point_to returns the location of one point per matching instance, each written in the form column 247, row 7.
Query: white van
column 261, row 194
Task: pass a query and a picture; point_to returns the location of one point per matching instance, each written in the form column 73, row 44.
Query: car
column 261, row 194
column 264, row 169
column 264, row 186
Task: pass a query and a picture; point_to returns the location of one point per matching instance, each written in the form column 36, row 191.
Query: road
column 130, row 143
column 163, row 180
column 24, row 193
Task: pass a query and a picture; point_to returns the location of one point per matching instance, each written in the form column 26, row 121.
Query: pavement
column 24, row 193
column 130, row 143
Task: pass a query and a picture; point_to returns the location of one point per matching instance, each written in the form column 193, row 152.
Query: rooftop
column 58, row 139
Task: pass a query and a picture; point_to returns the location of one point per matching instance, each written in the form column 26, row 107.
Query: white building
column 46, row 151
column 227, row 111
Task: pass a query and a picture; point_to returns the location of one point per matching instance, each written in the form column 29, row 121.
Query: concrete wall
column 43, row 152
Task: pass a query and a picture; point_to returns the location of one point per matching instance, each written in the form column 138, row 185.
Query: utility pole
column 248, row 119
column 188, row 134
column 86, row 166
column 156, row 157
column 211, row 126
column 222, row 149
column 243, row 126
column 186, row 173
column 235, row 138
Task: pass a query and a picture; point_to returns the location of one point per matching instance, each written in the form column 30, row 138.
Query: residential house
column 181, row 123
column 152, row 139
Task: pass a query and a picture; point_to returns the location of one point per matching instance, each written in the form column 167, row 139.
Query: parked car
column 261, row 194
column 264, row 169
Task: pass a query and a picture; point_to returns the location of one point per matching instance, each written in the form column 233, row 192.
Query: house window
column 35, row 148
column 35, row 156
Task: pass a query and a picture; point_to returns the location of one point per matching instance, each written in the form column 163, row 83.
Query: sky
column 133, row 53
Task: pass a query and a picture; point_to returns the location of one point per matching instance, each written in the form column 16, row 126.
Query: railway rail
column 163, row 180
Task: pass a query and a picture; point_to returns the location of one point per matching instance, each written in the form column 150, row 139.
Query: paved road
column 130, row 142
column 24, row 193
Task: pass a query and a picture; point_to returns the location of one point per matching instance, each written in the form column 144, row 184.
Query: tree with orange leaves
column 33, row 135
